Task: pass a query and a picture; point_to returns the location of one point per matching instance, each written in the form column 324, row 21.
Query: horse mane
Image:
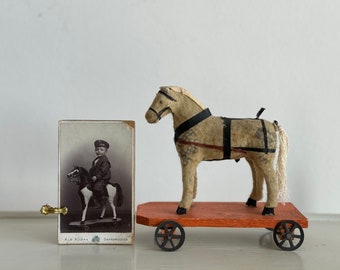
column 184, row 92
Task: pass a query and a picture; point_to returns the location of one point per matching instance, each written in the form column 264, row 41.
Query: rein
column 221, row 148
column 200, row 144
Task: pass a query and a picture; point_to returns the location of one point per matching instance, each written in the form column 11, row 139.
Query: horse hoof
column 82, row 222
column 181, row 210
column 251, row 202
column 268, row 211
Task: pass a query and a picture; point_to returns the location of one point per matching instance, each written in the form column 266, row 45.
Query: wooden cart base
column 287, row 223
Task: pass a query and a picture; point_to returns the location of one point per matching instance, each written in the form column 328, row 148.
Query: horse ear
column 164, row 88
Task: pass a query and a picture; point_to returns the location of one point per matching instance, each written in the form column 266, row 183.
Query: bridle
column 159, row 114
column 74, row 176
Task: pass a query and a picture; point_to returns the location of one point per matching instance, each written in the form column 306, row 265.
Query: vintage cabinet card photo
column 96, row 181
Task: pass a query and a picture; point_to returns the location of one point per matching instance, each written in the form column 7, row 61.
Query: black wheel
column 169, row 235
column 288, row 235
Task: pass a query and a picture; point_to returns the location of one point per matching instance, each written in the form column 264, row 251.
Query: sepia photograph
column 96, row 181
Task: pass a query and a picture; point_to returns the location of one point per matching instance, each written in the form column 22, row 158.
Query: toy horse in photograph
column 81, row 177
column 199, row 136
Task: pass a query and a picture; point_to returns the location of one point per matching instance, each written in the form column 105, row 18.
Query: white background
column 99, row 59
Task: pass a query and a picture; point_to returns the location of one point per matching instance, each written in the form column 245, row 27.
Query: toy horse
column 81, row 177
column 200, row 136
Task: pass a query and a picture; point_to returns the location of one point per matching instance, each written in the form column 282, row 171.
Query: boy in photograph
column 100, row 172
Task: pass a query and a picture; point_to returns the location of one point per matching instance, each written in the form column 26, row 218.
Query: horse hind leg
column 112, row 193
column 272, row 188
column 114, row 213
column 83, row 218
column 195, row 185
column 258, row 179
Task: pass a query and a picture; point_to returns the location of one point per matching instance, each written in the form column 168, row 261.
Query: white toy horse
column 200, row 136
column 81, row 177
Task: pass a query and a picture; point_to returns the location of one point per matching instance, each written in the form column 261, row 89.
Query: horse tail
column 119, row 198
column 281, row 164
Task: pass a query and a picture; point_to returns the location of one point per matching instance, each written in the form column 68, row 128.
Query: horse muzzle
column 71, row 177
column 152, row 116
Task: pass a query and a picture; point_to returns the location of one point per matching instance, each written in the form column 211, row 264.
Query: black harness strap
column 265, row 138
column 166, row 95
column 191, row 122
column 226, row 133
column 226, row 137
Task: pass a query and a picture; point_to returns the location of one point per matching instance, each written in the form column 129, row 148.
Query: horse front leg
column 189, row 179
column 87, row 194
column 103, row 212
column 83, row 217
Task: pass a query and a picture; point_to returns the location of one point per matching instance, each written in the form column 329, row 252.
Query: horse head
column 173, row 99
column 161, row 106
column 73, row 175
column 78, row 175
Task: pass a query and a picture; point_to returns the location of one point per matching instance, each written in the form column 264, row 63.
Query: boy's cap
column 101, row 143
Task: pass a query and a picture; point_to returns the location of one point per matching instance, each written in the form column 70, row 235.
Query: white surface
column 30, row 243
column 101, row 59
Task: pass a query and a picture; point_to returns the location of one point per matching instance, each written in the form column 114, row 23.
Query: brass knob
column 46, row 209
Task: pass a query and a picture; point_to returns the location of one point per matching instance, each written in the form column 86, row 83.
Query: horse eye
column 161, row 102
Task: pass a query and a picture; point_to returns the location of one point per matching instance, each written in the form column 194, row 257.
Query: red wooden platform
column 218, row 214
